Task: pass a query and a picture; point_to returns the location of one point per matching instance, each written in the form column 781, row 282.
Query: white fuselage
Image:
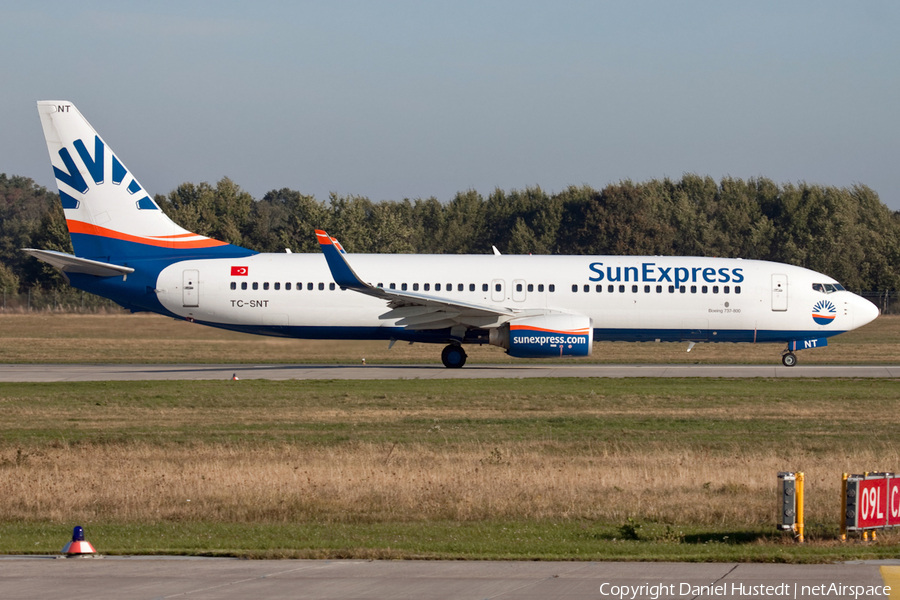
column 627, row 298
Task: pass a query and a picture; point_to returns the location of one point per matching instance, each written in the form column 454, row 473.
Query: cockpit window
column 827, row 288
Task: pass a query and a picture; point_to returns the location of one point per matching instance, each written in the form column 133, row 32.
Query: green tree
column 30, row 216
column 428, row 222
column 466, row 230
column 221, row 212
column 9, row 281
column 286, row 219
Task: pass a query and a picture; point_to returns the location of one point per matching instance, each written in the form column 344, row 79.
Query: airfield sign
column 871, row 501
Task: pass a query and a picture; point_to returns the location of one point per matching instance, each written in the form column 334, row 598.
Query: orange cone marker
column 78, row 546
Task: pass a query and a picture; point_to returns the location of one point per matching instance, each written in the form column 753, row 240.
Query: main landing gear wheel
column 453, row 356
column 789, row 359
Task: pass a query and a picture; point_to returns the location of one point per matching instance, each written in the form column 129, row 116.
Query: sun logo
column 94, row 165
column 824, row 312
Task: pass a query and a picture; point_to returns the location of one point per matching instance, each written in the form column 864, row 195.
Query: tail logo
column 824, row 312
column 72, row 177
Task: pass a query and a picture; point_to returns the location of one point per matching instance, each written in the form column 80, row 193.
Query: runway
column 158, row 372
column 40, row 578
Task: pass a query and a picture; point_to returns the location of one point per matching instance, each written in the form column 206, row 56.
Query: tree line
column 847, row 233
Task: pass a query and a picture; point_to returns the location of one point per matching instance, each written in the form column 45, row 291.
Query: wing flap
column 433, row 317
column 443, row 324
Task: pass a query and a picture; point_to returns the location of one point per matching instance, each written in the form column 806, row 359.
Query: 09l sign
column 872, row 501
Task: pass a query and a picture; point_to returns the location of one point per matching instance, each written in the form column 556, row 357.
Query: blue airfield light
column 78, row 546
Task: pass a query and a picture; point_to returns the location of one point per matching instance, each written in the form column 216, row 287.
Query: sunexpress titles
column 649, row 272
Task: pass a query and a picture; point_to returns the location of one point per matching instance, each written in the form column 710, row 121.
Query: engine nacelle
column 545, row 336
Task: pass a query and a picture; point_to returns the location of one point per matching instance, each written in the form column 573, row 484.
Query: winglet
column 341, row 270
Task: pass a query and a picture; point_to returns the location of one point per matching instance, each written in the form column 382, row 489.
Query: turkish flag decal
column 239, row 271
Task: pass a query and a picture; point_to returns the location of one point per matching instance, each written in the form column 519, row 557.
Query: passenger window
column 415, row 287
column 518, row 287
column 599, row 288
column 693, row 289
column 497, row 287
column 551, row 288
column 737, row 289
column 726, row 289
column 540, row 287
column 233, row 285
column 471, row 287
column 255, row 285
column 587, row 288
column 460, row 287
column 287, row 285
column 299, row 286
column 611, row 289
column 243, row 285
column 659, row 289
column 277, row 285
column 646, row 289
column 309, row 285
column 331, row 286
column 266, row 285
column 715, row 289
column 321, row 286
column 671, row 289
column 426, row 286
column 621, row 289
column 530, row 287
column 682, row 289
column 574, row 287
column 634, row 289
column 449, row 287
column 403, row 287
column 704, row 289
column 484, row 287
column 437, row 287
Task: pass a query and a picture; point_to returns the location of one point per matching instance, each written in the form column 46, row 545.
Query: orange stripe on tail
column 87, row 228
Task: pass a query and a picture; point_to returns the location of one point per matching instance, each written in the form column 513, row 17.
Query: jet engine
column 545, row 336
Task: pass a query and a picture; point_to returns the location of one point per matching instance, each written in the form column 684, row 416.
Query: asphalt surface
column 38, row 578
column 145, row 372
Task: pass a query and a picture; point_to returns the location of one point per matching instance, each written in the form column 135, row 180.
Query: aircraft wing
column 414, row 310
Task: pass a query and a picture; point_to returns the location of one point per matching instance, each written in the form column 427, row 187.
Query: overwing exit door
column 497, row 292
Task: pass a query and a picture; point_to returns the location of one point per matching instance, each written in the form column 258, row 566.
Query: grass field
column 122, row 338
column 551, row 469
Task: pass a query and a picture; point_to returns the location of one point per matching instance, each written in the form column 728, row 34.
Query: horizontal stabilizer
column 69, row 263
